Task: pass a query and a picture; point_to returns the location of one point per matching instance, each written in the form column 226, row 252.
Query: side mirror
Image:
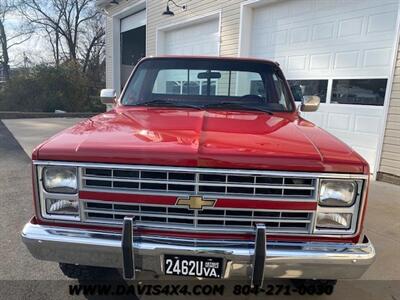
column 310, row 103
column 108, row 96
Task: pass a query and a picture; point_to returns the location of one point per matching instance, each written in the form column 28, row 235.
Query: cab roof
column 220, row 58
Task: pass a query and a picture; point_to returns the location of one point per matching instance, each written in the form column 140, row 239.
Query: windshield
column 203, row 83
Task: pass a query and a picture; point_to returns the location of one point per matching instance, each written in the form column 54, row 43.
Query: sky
column 36, row 48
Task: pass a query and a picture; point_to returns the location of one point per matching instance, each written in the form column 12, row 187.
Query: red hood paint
column 202, row 138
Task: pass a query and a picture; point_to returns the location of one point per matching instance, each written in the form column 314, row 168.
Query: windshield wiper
column 237, row 105
column 159, row 102
column 167, row 103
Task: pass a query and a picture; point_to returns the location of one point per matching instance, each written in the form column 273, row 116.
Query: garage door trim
column 116, row 41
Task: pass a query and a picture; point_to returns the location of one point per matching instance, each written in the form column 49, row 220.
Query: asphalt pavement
column 23, row 277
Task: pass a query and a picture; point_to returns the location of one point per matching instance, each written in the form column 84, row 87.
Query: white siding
column 390, row 158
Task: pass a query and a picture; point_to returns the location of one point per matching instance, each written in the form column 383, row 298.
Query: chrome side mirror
column 310, row 103
column 108, row 96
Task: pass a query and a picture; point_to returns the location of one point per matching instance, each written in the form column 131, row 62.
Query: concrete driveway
column 31, row 132
column 22, row 277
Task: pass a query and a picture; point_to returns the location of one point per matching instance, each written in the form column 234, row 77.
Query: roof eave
column 102, row 3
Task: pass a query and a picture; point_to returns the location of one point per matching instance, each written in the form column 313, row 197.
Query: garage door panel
column 366, row 141
column 350, row 27
column 297, row 62
column 351, row 61
column 340, row 121
column 346, row 59
column 352, row 118
column 344, row 22
column 377, row 57
column 317, row 117
column 382, row 22
column 197, row 39
column 329, row 46
column 351, row 36
column 367, row 124
column 320, row 61
column 285, row 13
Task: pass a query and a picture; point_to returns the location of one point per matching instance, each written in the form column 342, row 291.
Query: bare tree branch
column 19, row 42
column 66, row 18
column 7, row 7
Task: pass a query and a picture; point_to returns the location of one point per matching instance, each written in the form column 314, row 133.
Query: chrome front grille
column 212, row 183
column 182, row 181
column 211, row 219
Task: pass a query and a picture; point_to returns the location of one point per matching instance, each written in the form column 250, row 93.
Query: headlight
column 60, row 180
column 62, row 207
column 337, row 193
column 334, row 220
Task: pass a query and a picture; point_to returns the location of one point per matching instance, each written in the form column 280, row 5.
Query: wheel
column 87, row 272
column 317, row 287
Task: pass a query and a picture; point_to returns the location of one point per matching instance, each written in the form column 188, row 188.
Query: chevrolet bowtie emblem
column 195, row 202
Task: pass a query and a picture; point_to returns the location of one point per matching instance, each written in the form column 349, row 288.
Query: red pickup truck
column 203, row 168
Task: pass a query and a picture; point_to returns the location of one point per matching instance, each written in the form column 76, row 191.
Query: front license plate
column 194, row 266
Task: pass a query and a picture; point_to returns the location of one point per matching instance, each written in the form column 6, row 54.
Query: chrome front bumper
column 311, row 260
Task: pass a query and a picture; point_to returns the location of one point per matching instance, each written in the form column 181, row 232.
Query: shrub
column 47, row 88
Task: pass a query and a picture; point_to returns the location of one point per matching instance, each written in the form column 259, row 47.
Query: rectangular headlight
column 339, row 193
column 60, row 179
column 62, row 207
column 333, row 220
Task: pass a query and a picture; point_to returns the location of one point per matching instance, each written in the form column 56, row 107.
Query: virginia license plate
column 194, row 266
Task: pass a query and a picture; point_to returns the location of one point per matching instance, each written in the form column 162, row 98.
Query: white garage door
column 340, row 50
column 200, row 38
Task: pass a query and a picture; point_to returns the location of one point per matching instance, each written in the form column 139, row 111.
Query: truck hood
column 202, row 138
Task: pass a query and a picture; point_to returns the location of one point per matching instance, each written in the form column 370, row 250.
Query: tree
column 93, row 43
column 7, row 40
column 48, row 88
column 74, row 28
column 53, row 36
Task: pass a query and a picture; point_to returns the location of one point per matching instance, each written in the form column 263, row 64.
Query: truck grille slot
column 242, row 220
column 221, row 183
